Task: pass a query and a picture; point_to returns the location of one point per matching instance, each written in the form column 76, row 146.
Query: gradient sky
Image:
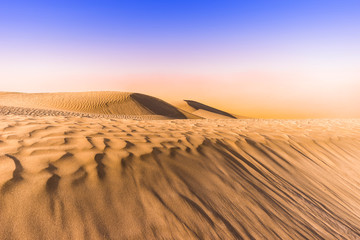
column 274, row 59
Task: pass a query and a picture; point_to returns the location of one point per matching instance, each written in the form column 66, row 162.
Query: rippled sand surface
column 68, row 177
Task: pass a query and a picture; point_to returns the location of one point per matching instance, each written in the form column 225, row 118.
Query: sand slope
column 106, row 104
column 96, row 178
column 204, row 111
column 100, row 103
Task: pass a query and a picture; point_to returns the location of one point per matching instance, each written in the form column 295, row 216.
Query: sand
column 97, row 103
column 94, row 176
column 204, row 111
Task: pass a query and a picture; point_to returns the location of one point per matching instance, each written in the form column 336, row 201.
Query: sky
column 258, row 58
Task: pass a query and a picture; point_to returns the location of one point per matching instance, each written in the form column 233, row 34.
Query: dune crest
column 204, row 111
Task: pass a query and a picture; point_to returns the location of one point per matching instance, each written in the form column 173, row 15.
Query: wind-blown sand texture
column 85, row 103
column 105, row 104
column 95, row 177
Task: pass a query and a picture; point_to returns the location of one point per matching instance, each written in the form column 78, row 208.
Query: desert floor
column 78, row 177
column 115, row 165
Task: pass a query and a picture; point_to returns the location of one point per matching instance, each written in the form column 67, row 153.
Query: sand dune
column 106, row 104
column 71, row 177
column 98, row 103
column 204, row 111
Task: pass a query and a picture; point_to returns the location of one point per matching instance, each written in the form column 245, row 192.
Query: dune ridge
column 70, row 177
column 205, row 111
column 100, row 103
column 106, row 104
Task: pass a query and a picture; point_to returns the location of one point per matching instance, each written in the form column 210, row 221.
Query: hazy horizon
column 266, row 59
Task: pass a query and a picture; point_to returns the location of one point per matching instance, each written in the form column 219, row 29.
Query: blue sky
column 141, row 22
column 238, row 46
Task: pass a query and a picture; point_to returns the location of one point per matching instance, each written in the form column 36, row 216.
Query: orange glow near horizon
column 272, row 84
column 258, row 95
column 252, row 94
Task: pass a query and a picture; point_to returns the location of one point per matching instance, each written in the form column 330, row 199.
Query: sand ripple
column 67, row 177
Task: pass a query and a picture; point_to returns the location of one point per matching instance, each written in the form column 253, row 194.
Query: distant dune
column 70, row 168
column 119, row 104
column 103, row 103
column 204, row 111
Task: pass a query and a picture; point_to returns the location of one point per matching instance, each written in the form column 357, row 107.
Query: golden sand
column 97, row 176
